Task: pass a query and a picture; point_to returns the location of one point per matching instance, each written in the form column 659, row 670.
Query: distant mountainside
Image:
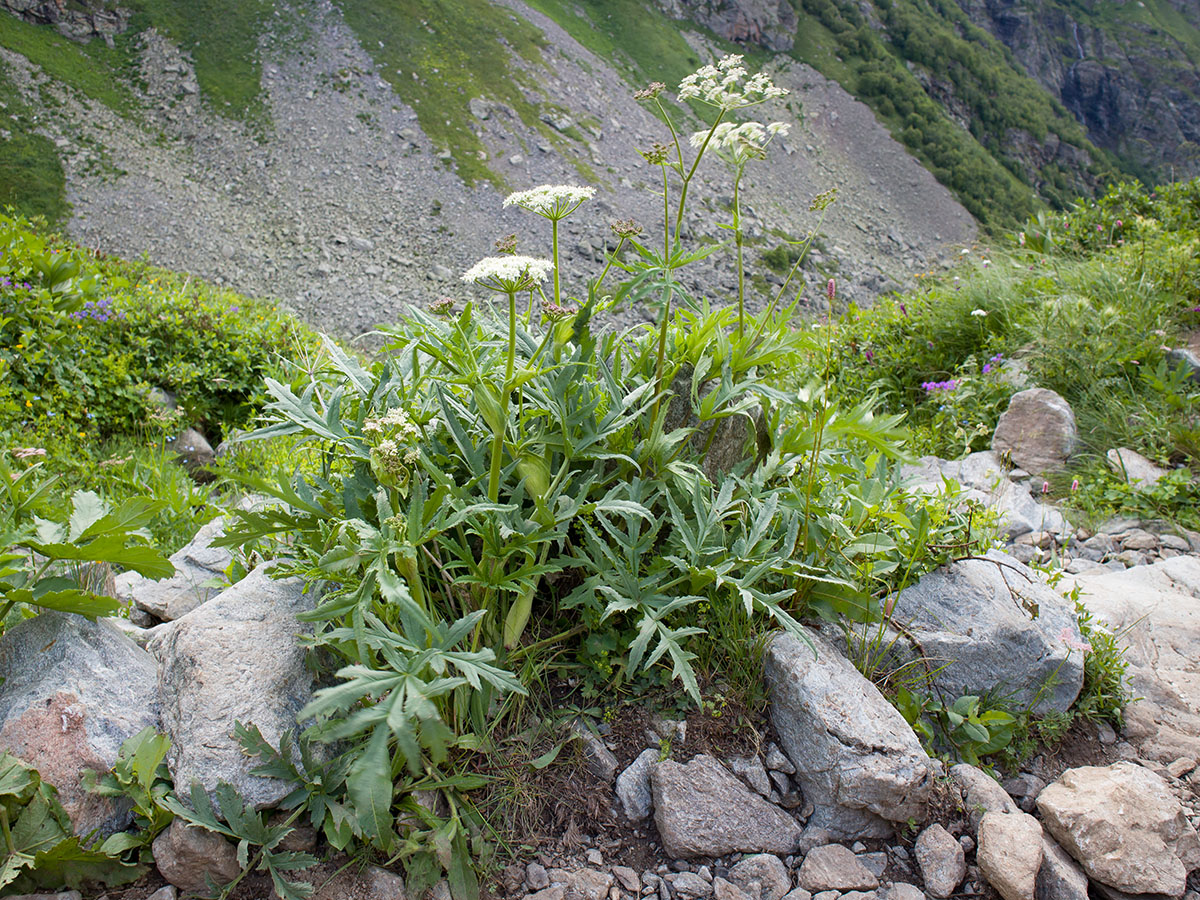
column 348, row 155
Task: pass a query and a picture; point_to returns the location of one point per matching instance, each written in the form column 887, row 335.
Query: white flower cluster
column 554, row 201
column 740, row 141
column 721, row 86
column 509, row 273
column 396, row 420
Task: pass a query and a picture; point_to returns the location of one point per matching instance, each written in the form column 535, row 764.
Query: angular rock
column 689, row 885
column 777, row 762
column 1060, row 877
column 902, row 890
column 1185, row 358
column 990, row 625
column 1037, row 431
column 981, row 792
column 750, row 769
column 384, row 885
column 701, row 809
column 627, row 878
column 195, row 452
column 834, row 868
column 1124, row 826
column 587, row 883
column 597, row 758
column 536, row 878
column 941, row 860
column 196, row 565
column 723, row 442
column 633, row 787
column 763, row 875
column 188, row 856
column 71, row 692
column 857, row 760
column 727, row 890
column 234, row 659
column 1009, row 853
column 1134, row 468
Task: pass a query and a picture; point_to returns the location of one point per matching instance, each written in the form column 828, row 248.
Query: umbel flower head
column 721, row 85
column 509, row 273
column 741, row 142
column 553, row 201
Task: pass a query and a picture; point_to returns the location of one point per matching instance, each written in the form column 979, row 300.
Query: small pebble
column 595, row 857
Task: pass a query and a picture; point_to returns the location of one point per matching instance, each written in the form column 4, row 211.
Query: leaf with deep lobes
column 369, row 786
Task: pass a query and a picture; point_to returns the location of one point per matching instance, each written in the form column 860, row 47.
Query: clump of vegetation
column 1086, row 303
column 507, row 496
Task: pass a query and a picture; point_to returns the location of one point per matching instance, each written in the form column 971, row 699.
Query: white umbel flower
column 721, row 85
column 554, row 201
column 509, row 273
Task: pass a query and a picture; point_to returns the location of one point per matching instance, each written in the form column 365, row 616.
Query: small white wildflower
column 979, row 313
column 554, row 201
column 964, row 251
column 778, row 129
column 509, row 273
column 721, row 85
column 412, row 456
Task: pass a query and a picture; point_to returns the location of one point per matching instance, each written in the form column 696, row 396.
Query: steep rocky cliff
column 1129, row 71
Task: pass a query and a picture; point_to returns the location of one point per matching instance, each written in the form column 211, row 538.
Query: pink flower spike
column 1075, row 485
column 1045, row 487
column 1069, row 640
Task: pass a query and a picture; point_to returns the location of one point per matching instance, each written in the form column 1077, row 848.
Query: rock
column 981, row 792
column 762, row 874
column 1184, row 358
column 554, row 892
column 902, row 890
column 723, row 442
column 64, row 895
column 598, row 759
column 726, row 890
column 1156, row 612
column 383, row 885
column 689, row 885
column 941, row 860
column 876, row 863
column 1060, row 877
column 588, row 884
column 236, row 658
column 633, row 787
column 992, row 625
column 71, row 692
column 777, row 762
column 196, row 566
column 1037, row 431
column 750, row 769
column 857, row 760
column 703, row 810
column 834, row 868
column 1124, row 826
column 1135, row 468
column 1010, row 853
column 1137, row 539
column 535, row 877
column 627, row 878
column 194, row 450
column 188, row 855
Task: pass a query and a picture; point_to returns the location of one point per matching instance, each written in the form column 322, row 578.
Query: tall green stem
column 738, row 239
column 498, row 435
column 554, row 234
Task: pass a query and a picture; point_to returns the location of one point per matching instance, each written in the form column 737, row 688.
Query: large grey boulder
column 1155, row 611
column 702, row 809
column 991, row 625
column 234, row 659
column 724, row 442
column 196, row 566
column 1124, row 826
column 857, row 760
column 71, row 692
column 1037, row 431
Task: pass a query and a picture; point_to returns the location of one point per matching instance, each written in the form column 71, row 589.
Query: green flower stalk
column 554, row 202
column 506, row 275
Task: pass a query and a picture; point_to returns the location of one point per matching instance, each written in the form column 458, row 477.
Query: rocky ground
column 832, row 797
column 344, row 210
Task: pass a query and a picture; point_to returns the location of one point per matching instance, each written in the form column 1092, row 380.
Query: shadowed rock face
column 73, row 691
column 1135, row 90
